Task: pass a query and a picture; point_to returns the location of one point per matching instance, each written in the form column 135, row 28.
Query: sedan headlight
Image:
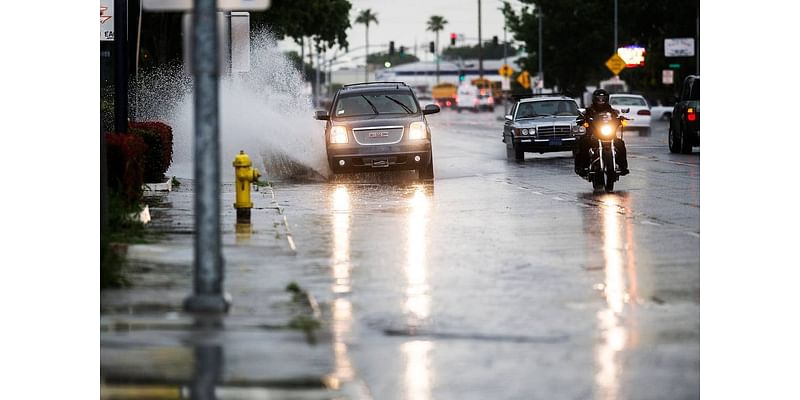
column 525, row 131
column 338, row 134
column 417, row 131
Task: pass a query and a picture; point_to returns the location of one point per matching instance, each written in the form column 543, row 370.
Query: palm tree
column 365, row 17
column 436, row 24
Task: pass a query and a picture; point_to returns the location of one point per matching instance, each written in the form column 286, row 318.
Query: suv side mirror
column 431, row 109
column 509, row 118
column 322, row 115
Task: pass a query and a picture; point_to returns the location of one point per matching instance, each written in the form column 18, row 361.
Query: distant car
column 635, row 108
column 684, row 127
column 470, row 97
column 661, row 113
column 541, row 125
column 378, row 126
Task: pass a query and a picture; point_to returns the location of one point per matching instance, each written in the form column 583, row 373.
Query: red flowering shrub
column 158, row 137
column 125, row 154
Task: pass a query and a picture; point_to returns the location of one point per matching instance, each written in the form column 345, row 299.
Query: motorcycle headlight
column 338, row 134
column 417, row 131
column 606, row 130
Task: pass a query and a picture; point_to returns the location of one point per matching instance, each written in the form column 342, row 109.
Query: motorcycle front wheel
column 611, row 174
column 598, row 181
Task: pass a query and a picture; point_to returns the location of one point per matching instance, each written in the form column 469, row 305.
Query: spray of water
column 264, row 112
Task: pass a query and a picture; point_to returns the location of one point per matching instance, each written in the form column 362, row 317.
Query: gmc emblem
column 378, row 134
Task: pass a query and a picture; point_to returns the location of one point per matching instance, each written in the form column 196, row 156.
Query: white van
column 469, row 97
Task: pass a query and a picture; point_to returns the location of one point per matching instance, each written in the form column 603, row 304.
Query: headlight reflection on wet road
column 341, row 265
column 617, row 320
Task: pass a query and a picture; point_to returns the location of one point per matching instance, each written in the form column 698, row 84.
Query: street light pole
column 616, row 42
column 480, row 43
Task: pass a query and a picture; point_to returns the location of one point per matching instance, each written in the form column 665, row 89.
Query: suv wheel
column 426, row 173
column 674, row 144
column 686, row 144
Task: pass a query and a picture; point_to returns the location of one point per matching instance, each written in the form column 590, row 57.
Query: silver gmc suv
column 378, row 126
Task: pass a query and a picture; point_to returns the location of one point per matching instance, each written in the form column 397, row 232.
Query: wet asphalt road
column 507, row 280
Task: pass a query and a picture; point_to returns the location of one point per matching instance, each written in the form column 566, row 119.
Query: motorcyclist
column 599, row 105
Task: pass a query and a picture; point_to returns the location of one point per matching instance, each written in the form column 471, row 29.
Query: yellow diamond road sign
column 505, row 70
column 615, row 64
column 524, row 79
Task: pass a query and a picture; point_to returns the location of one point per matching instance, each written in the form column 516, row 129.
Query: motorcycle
column 603, row 128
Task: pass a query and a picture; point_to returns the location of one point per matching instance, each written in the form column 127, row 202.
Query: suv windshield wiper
column 408, row 110
column 534, row 116
column 375, row 110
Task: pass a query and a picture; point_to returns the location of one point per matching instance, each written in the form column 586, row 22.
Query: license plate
column 555, row 142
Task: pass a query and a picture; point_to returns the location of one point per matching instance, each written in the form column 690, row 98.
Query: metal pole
column 208, row 262
column 366, row 59
column 616, row 43
column 121, row 66
column 505, row 62
column 480, row 43
column 540, row 55
column 316, row 81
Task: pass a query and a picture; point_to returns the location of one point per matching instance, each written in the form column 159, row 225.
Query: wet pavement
column 500, row 280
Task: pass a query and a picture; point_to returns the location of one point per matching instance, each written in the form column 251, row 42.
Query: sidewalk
column 267, row 346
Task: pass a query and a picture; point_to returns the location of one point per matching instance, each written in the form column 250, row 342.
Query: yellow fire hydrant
column 245, row 175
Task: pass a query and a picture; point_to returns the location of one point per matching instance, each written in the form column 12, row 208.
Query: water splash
column 264, row 112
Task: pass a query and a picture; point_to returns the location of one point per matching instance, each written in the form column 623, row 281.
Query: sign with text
column 188, row 5
column 106, row 20
column 615, row 64
column 633, row 56
column 680, row 47
column 667, row 76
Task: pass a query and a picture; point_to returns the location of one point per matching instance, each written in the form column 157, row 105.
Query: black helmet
column 600, row 97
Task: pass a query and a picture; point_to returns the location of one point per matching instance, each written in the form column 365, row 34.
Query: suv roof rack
column 398, row 84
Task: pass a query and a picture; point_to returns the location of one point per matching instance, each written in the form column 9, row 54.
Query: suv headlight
column 417, row 131
column 338, row 134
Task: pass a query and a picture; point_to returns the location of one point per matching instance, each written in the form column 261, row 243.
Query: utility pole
column 208, row 262
column 480, row 43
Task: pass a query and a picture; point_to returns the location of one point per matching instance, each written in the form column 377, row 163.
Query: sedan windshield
column 628, row 101
column 374, row 104
column 547, row 108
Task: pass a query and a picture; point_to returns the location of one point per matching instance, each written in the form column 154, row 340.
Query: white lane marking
column 695, row 234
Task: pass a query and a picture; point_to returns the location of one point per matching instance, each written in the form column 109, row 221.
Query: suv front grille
column 553, row 131
column 378, row 135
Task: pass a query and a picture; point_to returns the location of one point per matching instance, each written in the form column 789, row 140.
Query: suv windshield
column 628, row 101
column 354, row 104
column 546, row 108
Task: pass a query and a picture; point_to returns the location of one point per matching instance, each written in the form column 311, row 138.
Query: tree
column 365, row 17
column 436, row 24
column 578, row 38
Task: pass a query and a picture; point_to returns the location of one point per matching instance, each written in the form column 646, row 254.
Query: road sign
column 188, row 5
column 615, row 64
column 505, row 70
column 633, row 56
column 667, row 76
column 679, row 47
column 524, row 79
column 106, row 20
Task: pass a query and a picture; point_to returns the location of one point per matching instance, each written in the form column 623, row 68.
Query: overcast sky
column 405, row 21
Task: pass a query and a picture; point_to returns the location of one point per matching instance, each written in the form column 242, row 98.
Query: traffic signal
column 391, row 48
column 431, row 47
column 495, row 42
column 402, row 51
column 453, row 39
